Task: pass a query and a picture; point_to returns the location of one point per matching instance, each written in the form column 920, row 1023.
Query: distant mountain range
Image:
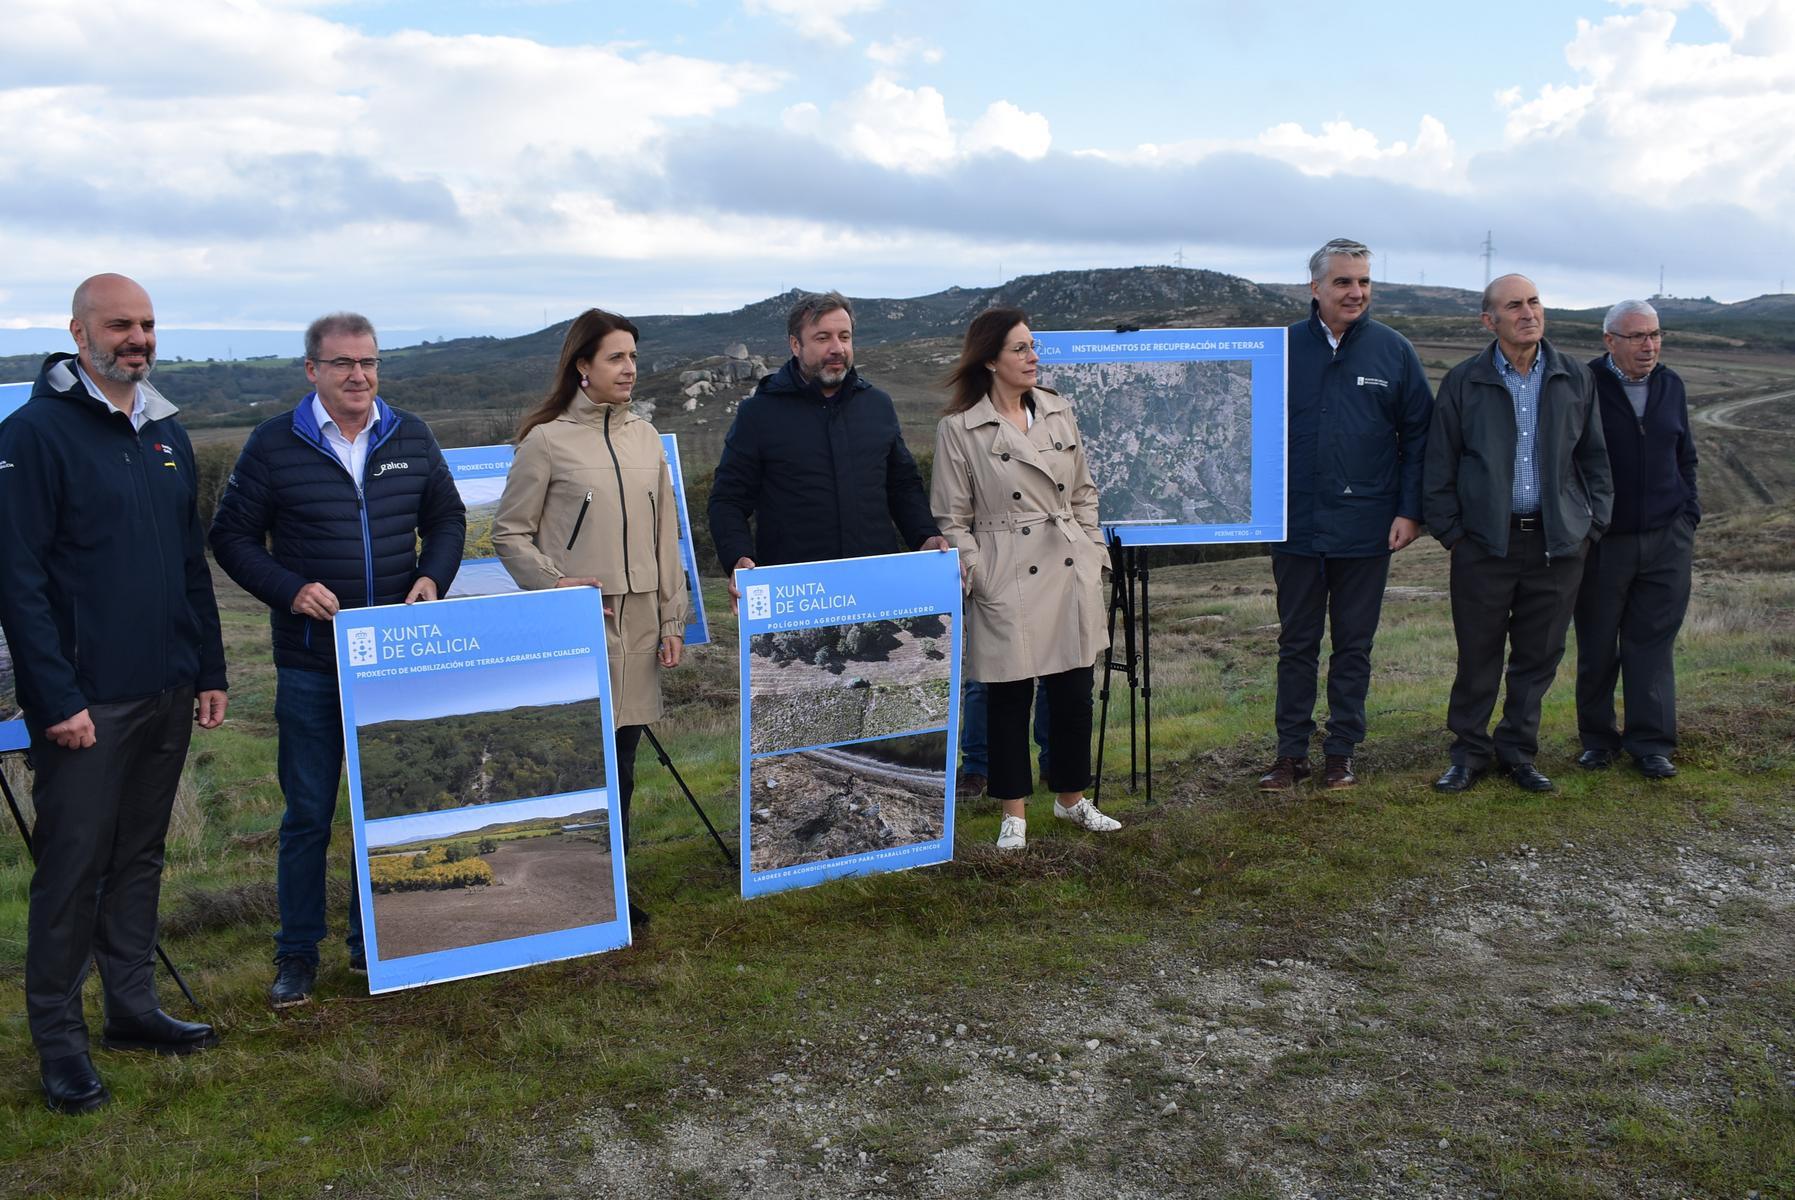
column 503, row 374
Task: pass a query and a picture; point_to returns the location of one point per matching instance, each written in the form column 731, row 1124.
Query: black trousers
column 1523, row 600
column 1068, row 732
column 1634, row 596
column 627, row 737
column 102, row 818
column 1348, row 594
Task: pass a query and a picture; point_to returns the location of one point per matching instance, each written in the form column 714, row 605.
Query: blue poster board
column 12, row 730
column 480, row 477
column 850, row 677
column 1184, row 429
column 479, row 755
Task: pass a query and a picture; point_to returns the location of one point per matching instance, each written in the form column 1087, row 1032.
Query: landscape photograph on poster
column 836, row 802
column 480, row 735
column 841, row 683
column 481, row 573
column 1167, row 442
column 9, row 688
column 473, row 876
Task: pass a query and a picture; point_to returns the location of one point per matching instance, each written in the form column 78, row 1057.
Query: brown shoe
column 1337, row 772
column 969, row 786
column 1285, row 774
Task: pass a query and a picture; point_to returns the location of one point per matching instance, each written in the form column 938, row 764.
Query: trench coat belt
column 1015, row 521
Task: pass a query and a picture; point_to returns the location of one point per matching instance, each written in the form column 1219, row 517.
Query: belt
column 1020, row 522
column 1524, row 522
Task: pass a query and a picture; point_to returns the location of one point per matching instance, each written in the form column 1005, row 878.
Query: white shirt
column 352, row 454
column 93, row 389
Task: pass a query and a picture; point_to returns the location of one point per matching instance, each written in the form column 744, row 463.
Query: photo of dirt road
column 539, row 885
column 842, row 683
column 818, row 805
column 9, row 700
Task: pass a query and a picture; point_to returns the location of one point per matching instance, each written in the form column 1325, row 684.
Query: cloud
column 815, row 21
column 901, row 51
column 1006, row 128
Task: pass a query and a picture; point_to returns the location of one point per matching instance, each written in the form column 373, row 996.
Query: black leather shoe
column 72, row 1086
column 1655, row 766
column 1459, row 778
column 1527, row 777
column 1595, row 760
column 293, row 982
column 158, row 1033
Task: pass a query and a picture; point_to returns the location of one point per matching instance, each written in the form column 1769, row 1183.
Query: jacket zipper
column 579, row 520
column 654, row 521
column 622, row 502
column 143, row 485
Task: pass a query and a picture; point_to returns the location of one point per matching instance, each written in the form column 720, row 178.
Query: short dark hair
column 1338, row 247
column 337, row 323
column 970, row 380
column 813, row 305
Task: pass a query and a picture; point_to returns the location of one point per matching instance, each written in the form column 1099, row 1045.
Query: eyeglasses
column 343, row 366
column 1024, row 349
column 1650, row 335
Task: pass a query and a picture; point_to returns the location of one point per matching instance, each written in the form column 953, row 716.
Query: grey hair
column 813, row 305
column 346, row 324
column 1627, row 308
column 1343, row 247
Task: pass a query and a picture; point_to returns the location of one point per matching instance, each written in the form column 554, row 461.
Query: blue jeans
column 310, row 722
column 974, row 758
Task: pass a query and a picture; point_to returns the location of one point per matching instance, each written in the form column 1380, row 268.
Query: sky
column 466, row 690
column 492, row 166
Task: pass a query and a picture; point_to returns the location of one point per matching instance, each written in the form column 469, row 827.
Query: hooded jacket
column 821, row 477
column 1358, row 436
column 105, row 594
column 359, row 538
column 1471, row 456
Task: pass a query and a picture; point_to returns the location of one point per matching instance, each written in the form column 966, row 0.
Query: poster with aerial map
column 12, row 729
column 1183, row 429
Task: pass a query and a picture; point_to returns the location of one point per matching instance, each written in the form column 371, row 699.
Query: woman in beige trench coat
column 1011, row 489
column 589, row 501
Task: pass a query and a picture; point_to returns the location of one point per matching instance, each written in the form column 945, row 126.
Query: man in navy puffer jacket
column 1359, row 412
column 346, row 484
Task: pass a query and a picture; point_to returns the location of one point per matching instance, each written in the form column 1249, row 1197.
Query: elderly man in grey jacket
column 1517, row 487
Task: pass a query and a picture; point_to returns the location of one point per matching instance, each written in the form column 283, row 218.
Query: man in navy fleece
column 1359, row 411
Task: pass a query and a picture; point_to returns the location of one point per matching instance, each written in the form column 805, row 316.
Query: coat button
column 1058, row 446
column 1005, row 457
column 1015, row 495
column 1060, row 486
column 1034, row 570
column 1025, row 531
column 1068, row 562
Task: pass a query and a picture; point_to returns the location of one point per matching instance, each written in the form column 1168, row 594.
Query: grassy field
column 1578, row 995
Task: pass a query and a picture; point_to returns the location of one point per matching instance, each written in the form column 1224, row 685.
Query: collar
column 1503, row 366
column 1046, row 401
column 321, row 416
column 1622, row 375
column 587, row 411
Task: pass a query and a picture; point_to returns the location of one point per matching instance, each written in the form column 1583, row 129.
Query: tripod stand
column 18, row 819
column 1128, row 571
column 660, row 752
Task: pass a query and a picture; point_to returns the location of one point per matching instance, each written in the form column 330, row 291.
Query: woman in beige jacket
column 589, row 501
column 1012, row 490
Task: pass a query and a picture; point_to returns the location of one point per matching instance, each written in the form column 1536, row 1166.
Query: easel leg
column 661, row 753
column 18, row 819
column 1109, row 664
column 1147, row 675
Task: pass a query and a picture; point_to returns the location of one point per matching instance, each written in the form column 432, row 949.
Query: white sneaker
column 1012, row 834
column 1084, row 814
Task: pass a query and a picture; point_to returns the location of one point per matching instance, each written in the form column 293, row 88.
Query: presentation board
column 850, row 679
column 12, row 729
column 479, row 756
column 1184, row 429
column 480, row 477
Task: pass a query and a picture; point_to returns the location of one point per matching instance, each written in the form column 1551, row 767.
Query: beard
column 831, row 374
column 107, row 366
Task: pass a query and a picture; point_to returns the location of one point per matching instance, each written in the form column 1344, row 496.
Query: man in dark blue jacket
column 816, row 459
column 1636, row 580
column 346, row 484
column 1359, row 411
column 107, row 604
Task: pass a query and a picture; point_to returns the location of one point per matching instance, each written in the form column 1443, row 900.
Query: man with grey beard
column 107, row 603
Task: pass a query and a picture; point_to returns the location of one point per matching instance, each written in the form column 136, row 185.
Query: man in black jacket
column 1636, row 580
column 1359, row 410
column 1517, row 487
column 347, row 485
column 107, row 605
column 816, row 459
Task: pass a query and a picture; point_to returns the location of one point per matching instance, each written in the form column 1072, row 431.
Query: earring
column 585, row 382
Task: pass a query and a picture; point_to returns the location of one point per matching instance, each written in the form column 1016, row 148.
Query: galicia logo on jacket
column 384, row 467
